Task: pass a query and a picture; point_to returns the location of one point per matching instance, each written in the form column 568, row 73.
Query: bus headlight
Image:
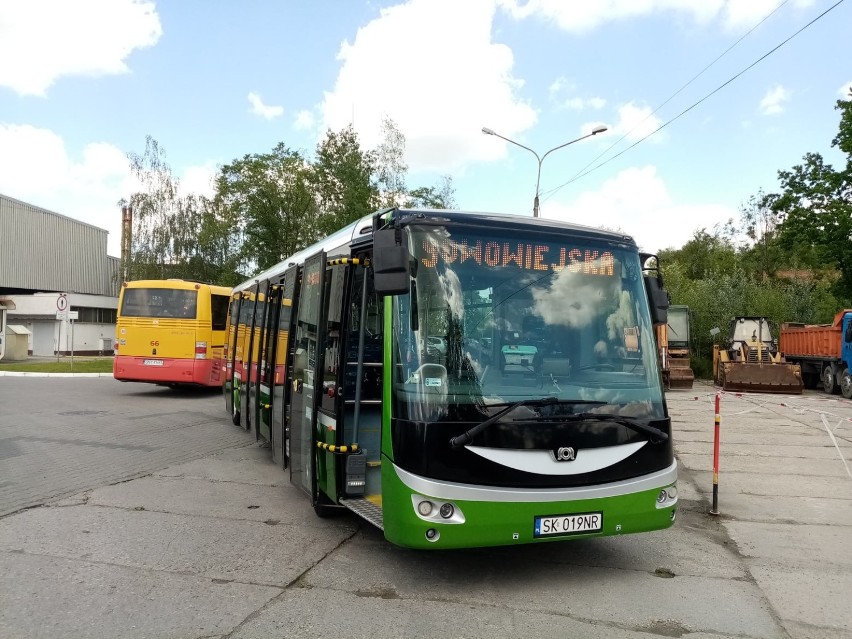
column 667, row 496
column 434, row 511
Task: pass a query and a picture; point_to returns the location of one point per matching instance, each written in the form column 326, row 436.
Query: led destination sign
column 530, row 257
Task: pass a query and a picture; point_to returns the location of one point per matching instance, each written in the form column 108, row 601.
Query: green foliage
column 789, row 258
column 391, row 169
column 266, row 206
column 63, row 365
column 705, row 253
column 265, row 196
column 441, row 196
column 717, row 298
column 341, row 180
column 174, row 235
column 815, row 207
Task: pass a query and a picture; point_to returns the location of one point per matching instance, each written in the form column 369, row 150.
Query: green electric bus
column 461, row 379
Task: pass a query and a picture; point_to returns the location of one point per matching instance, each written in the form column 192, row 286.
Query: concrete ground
column 785, row 496
column 221, row 545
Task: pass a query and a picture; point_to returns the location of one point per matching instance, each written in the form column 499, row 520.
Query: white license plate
column 153, row 362
column 568, row 524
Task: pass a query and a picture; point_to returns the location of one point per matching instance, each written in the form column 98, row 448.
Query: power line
column 688, row 109
column 673, row 95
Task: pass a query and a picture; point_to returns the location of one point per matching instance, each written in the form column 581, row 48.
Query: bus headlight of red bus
column 431, row 510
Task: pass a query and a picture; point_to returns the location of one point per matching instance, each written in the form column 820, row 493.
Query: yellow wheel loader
column 750, row 360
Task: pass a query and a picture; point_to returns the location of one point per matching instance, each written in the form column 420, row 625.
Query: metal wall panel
column 44, row 251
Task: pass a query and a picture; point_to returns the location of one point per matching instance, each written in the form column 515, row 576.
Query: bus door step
column 366, row 509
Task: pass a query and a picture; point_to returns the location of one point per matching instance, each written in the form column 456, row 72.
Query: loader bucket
column 762, row 378
column 681, row 378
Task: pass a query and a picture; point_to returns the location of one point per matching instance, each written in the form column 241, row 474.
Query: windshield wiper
column 467, row 436
column 629, row 422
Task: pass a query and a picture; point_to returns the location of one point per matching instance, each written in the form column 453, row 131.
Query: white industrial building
column 56, row 281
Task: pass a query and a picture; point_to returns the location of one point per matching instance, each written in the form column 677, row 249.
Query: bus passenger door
column 249, row 364
column 282, row 369
column 330, row 381
column 230, row 354
column 267, row 359
column 304, row 386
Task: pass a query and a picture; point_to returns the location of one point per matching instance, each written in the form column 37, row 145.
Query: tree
column 703, row 255
column 342, row 181
column 391, row 169
column 764, row 256
column 174, row 234
column 441, row 196
column 268, row 200
column 815, row 206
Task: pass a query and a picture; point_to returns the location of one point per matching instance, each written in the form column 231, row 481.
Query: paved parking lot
column 164, row 520
column 61, row 435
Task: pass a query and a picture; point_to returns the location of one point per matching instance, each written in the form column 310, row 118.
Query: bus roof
column 176, row 283
column 489, row 220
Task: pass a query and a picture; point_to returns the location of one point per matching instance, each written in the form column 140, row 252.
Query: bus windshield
column 159, row 302
column 494, row 318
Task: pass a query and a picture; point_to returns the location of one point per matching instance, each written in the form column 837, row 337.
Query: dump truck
column 823, row 351
column 673, row 345
column 751, row 361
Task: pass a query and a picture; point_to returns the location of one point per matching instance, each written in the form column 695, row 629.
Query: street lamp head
column 488, row 131
column 598, row 129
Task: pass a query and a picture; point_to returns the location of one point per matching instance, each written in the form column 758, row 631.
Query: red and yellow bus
column 171, row 332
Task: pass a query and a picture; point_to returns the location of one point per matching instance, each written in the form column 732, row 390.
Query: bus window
column 159, row 302
column 371, row 382
column 219, row 311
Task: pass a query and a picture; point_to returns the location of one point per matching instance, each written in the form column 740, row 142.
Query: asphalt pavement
column 135, row 511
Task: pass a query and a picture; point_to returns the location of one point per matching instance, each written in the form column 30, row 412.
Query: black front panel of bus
column 424, row 449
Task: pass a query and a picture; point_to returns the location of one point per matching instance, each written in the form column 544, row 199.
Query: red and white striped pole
column 715, row 509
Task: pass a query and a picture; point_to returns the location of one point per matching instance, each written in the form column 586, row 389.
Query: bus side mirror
column 658, row 299
column 390, row 261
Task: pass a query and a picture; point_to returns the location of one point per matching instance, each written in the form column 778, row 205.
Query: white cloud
column 560, row 87
column 772, row 102
column 36, row 167
column 638, row 202
column 845, row 90
column 634, row 123
column 440, row 91
column 580, row 17
column 43, row 40
column 305, row 120
column 263, row 110
column 580, row 104
column 747, row 13
column 199, row 180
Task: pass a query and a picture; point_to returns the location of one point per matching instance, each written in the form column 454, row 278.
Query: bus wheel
column 323, row 511
column 324, row 508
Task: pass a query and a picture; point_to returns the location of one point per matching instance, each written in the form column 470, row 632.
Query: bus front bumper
column 488, row 516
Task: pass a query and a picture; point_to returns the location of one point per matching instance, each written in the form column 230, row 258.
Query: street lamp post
column 595, row 131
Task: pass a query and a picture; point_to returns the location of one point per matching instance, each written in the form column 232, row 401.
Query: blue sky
column 82, row 82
